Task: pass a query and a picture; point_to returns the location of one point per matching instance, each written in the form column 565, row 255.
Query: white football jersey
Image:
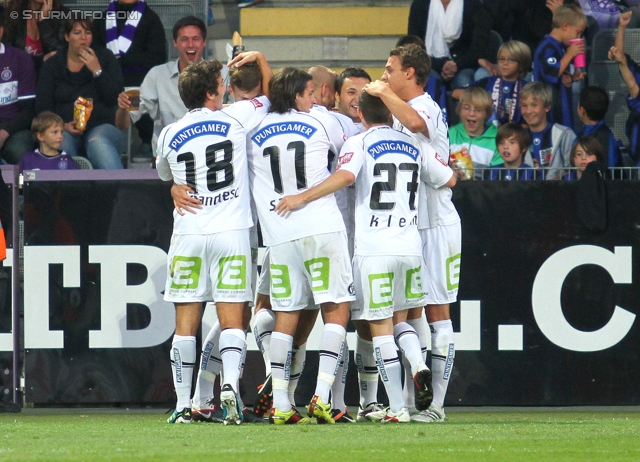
column 288, row 155
column 207, row 150
column 388, row 166
column 436, row 207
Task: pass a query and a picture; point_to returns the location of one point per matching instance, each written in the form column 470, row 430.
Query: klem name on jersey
column 284, row 128
column 199, row 129
column 392, row 147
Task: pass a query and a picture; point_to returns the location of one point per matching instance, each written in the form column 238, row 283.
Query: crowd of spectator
column 77, row 68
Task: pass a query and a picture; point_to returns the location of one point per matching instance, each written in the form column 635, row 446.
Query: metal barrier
column 545, row 173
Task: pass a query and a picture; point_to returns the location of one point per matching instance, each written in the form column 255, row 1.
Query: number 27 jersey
column 389, row 166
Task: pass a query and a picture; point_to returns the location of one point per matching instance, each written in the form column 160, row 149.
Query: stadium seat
column 606, row 38
column 82, row 163
column 605, row 74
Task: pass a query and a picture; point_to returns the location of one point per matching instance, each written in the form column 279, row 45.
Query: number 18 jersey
column 289, row 154
column 388, row 166
column 207, row 150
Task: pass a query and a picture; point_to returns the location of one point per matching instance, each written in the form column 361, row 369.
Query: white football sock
column 386, row 357
column 210, row 367
column 281, row 345
column 337, row 389
column 367, row 372
column 298, row 358
column 420, row 326
column 410, row 345
column 263, row 323
column 232, row 345
column 183, row 359
column 442, row 358
column 330, row 352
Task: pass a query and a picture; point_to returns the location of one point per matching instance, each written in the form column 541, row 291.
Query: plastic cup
column 134, row 97
column 580, row 60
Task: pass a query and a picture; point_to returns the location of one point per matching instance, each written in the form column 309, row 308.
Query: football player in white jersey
column 349, row 84
column 402, row 90
column 308, row 253
column 210, row 250
column 386, row 166
column 247, row 79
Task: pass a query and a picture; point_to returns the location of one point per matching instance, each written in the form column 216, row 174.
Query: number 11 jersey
column 289, row 154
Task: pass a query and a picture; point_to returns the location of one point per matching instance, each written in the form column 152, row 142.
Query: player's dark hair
column 44, row 121
column 246, row 78
column 373, row 109
column 595, row 101
column 413, row 56
column 285, row 86
column 591, row 145
column 69, row 24
column 198, row 79
column 348, row 73
column 509, row 130
column 189, row 21
column 411, row 40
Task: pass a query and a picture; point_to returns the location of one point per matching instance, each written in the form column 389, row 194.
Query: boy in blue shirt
column 630, row 72
column 592, row 109
column 512, row 141
column 551, row 62
column 550, row 143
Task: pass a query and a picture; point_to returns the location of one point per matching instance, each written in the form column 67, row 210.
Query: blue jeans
column 102, row 145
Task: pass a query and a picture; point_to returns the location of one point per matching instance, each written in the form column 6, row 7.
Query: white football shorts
column 209, row 267
column 315, row 267
column 441, row 247
column 385, row 284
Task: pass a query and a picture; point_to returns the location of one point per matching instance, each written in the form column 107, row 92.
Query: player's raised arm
column 402, row 111
column 263, row 65
column 338, row 180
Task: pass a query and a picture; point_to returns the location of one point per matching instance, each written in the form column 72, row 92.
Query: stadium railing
column 486, row 174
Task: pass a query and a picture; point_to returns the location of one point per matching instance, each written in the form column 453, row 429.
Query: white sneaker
column 402, row 416
column 430, row 415
column 373, row 412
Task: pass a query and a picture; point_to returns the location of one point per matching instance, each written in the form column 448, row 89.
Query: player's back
column 386, row 191
column 289, row 154
column 206, row 150
column 436, row 207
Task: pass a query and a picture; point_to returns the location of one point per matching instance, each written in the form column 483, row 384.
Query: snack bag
column 82, row 111
column 461, row 162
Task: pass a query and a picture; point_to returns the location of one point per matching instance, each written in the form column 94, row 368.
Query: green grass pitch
column 468, row 435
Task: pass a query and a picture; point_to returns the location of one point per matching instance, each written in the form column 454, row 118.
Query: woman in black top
column 80, row 70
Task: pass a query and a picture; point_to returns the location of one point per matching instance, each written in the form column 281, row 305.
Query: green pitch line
column 466, row 436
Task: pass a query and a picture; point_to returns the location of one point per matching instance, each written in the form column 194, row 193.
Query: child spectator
column 513, row 142
column 472, row 142
column 48, row 130
column 551, row 63
column 551, row 143
column 631, row 75
column 586, row 150
column 592, row 109
column 514, row 61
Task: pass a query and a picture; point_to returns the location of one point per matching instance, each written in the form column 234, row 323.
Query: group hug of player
column 355, row 212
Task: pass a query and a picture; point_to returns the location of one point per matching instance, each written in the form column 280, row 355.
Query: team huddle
column 354, row 207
